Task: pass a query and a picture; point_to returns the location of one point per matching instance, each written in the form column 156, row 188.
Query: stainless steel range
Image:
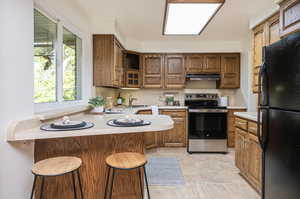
column 207, row 129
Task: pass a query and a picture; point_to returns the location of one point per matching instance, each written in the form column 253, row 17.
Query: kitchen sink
column 139, row 106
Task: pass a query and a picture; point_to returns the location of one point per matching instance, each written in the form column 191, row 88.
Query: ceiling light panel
column 188, row 18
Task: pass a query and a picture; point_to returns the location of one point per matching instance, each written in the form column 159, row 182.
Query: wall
column 16, row 88
column 16, row 84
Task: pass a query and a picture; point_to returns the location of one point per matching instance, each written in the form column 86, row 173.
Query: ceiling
column 142, row 20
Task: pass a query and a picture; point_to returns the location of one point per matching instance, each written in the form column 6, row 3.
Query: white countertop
column 33, row 132
column 247, row 115
column 236, row 107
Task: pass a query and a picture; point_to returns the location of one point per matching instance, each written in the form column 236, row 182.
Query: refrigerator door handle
column 263, row 98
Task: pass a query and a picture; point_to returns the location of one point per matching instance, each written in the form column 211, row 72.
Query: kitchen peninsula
column 92, row 146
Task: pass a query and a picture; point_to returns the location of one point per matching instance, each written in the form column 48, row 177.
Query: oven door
column 207, row 125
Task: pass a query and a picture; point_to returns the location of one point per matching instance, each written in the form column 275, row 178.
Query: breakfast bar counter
column 92, row 146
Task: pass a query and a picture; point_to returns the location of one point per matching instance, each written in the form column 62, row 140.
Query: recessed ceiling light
column 189, row 17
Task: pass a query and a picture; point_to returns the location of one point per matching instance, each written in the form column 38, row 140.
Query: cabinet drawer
column 174, row 113
column 240, row 123
column 252, row 128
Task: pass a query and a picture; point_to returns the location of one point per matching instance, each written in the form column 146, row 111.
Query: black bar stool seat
column 126, row 161
column 56, row 167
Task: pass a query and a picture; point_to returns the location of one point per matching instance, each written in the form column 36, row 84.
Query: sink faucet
column 131, row 99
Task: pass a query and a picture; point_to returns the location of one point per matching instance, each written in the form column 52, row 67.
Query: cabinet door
column 174, row 71
column 118, row 78
column 239, row 145
column 230, row 71
column 132, row 79
column 289, row 17
column 255, row 160
column 153, row 71
column 149, row 137
column 241, row 159
column 195, row 63
column 176, row 136
column 212, row 64
column 258, row 43
column 272, row 29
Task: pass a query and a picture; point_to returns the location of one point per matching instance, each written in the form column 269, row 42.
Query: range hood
column 197, row 77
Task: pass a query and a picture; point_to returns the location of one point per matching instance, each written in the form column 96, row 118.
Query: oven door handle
column 207, row 111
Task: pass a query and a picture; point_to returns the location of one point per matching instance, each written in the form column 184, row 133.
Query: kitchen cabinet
column 241, row 153
column 248, row 152
column 153, row 70
column 203, row 63
column 150, row 137
column 116, row 67
column 230, row 71
column 264, row 34
column 289, row 17
column 174, row 71
column 176, row 137
column 254, row 161
column 132, row 64
column 212, row 64
column 107, row 61
column 133, row 78
column 231, row 126
column 195, row 63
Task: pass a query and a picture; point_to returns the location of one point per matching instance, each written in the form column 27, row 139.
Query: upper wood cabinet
column 174, row 71
column 107, row 61
column 163, row 71
column 203, row 63
column 230, row 71
column 195, row 63
column 116, row 67
column 289, row 17
column 264, row 34
column 153, row 68
column 212, row 63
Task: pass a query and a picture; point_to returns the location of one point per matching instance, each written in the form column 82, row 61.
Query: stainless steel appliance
column 280, row 111
column 207, row 126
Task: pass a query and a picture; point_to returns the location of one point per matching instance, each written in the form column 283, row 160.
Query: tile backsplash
column 156, row 96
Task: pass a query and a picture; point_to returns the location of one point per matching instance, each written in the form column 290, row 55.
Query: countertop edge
column 19, row 134
column 247, row 115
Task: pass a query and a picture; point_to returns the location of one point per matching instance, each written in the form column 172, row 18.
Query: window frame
column 60, row 103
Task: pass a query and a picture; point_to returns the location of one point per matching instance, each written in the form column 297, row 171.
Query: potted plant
column 98, row 104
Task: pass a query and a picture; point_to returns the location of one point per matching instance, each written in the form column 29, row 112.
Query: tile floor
column 207, row 176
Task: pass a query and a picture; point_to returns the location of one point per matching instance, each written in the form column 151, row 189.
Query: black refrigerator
column 280, row 113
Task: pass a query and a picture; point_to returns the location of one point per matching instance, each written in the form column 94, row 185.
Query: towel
column 154, row 110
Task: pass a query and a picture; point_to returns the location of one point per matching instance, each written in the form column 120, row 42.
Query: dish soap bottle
column 119, row 100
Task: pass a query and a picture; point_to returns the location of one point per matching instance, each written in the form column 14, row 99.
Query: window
column 45, row 32
column 57, row 61
column 71, row 77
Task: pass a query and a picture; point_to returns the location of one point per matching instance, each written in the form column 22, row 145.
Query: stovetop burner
column 202, row 101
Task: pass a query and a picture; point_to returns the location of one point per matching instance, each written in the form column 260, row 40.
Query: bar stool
column 57, row 166
column 126, row 161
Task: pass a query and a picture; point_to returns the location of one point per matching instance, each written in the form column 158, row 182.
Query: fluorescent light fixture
column 189, row 17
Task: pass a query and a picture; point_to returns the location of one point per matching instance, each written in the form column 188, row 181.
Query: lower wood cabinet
column 248, row 154
column 175, row 137
column 150, row 137
column 231, row 126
